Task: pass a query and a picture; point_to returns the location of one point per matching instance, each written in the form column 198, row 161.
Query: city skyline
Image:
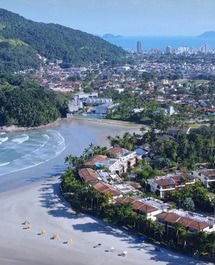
column 128, row 17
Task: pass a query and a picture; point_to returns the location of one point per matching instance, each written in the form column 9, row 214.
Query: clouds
column 128, row 17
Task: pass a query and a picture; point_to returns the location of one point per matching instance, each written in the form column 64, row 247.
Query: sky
column 123, row 17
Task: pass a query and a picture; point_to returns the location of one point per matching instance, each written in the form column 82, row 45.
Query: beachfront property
column 207, row 176
column 127, row 158
column 106, row 188
column 163, row 184
column 88, row 175
column 126, row 188
column 149, row 207
column 193, row 222
column 123, row 160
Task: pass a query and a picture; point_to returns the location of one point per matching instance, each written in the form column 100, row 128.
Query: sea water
column 30, row 156
column 130, row 43
column 20, row 151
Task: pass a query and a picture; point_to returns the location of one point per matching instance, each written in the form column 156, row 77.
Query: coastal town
column 161, row 178
column 172, row 79
column 107, row 132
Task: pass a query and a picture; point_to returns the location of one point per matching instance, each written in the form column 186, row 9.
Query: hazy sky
column 125, row 17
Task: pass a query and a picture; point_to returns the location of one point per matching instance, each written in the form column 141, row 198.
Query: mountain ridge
column 55, row 41
column 208, row 34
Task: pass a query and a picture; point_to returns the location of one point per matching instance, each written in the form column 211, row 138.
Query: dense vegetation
column 26, row 103
column 56, row 42
column 15, row 55
column 193, row 198
column 84, row 198
column 188, row 149
column 180, row 150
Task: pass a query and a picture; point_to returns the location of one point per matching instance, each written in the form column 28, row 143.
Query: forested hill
column 57, row 42
column 27, row 104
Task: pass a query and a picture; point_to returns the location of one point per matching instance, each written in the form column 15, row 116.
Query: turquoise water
column 130, row 43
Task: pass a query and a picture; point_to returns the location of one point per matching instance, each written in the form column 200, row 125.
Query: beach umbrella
column 27, row 227
column 124, row 253
column 26, row 223
column 56, row 236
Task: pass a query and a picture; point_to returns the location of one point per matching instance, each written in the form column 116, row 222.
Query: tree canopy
column 27, row 104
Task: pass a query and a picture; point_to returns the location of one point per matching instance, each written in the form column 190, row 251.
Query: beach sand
column 42, row 205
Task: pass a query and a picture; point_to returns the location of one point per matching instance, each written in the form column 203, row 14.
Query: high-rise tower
column 139, row 46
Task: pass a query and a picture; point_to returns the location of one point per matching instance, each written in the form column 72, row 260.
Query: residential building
column 161, row 185
column 88, row 175
column 149, row 207
column 191, row 221
column 95, row 160
column 127, row 158
column 106, row 188
column 207, row 176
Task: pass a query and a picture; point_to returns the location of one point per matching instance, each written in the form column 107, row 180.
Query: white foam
column 45, row 152
column 3, row 140
column 19, row 140
column 4, row 164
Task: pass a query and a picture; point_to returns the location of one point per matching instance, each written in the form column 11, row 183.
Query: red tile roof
column 95, row 159
column 138, row 205
column 116, row 150
column 184, row 221
column 210, row 174
column 106, row 188
column 88, row 174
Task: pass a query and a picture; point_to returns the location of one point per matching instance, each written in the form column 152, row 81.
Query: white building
column 207, row 176
column 146, row 206
column 191, row 221
column 164, row 184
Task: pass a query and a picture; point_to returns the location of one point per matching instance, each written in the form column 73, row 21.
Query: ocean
column 30, row 156
column 130, row 43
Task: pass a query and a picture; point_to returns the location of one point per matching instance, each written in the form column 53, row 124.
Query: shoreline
column 14, row 128
column 108, row 121
column 45, row 209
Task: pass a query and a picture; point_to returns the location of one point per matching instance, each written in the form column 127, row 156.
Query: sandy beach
column 42, row 205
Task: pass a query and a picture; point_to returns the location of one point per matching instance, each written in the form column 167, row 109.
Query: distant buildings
column 169, row 50
column 139, row 47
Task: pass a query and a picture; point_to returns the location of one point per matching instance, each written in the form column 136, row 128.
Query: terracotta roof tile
column 184, row 221
column 95, row 159
column 138, row 205
column 88, row 174
column 106, row 188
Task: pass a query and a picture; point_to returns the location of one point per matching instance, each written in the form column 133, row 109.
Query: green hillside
column 26, row 103
column 16, row 55
column 56, row 42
